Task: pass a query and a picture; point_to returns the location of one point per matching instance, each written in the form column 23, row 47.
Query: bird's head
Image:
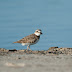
column 38, row 32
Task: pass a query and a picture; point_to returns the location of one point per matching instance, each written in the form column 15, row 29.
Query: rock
column 52, row 48
column 3, row 50
column 13, row 50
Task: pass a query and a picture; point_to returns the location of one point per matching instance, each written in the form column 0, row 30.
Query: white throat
column 38, row 34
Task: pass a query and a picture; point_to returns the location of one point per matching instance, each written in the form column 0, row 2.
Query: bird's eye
column 37, row 31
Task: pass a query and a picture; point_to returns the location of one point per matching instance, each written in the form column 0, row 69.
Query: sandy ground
column 35, row 63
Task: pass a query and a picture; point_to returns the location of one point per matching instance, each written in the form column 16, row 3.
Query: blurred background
column 19, row 18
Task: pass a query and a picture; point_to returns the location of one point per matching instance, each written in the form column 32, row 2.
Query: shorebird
column 30, row 39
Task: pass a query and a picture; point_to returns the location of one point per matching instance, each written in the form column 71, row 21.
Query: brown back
column 28, row 39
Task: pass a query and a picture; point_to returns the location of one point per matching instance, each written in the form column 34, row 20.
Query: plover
column 30, row 39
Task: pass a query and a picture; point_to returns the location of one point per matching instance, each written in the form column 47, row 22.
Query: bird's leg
column 27, row 47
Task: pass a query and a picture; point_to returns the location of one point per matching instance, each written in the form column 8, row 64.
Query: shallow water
column 19, row 18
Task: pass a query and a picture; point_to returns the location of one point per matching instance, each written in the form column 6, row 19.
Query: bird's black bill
column 41, row 33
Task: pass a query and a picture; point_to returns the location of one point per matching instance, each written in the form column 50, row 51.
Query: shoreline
column 51, row 50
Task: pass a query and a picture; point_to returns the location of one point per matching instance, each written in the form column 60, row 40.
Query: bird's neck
column 37, row 34
column 38, row 37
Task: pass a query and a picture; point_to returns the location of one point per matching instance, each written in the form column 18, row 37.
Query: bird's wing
column 27, row 39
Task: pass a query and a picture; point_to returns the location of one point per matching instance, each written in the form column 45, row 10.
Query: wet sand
column 36, row 61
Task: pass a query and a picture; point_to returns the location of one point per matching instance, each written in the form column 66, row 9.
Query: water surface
column 19, row 18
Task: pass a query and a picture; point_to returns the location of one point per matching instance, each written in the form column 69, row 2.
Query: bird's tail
column 14, row 42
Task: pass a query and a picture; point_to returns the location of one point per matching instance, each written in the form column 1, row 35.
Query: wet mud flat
column 52, row 60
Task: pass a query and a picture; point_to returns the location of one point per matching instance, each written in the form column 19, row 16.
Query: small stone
column 13, row 50
column 19, row 58
column 51, row 48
